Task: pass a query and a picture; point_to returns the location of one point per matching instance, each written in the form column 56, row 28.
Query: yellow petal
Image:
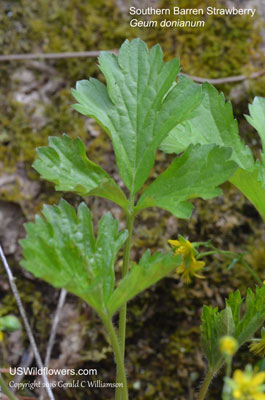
column 199, row 276
column 258, row 379
column 237, row 394
column 198, row 264
column 238, row 377
column 182, row 250
column 181, row 268
column 174, row 243
column 258, row 396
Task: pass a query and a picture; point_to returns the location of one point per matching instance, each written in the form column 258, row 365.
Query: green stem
column 5, row 389
column 126, row 261
column 252, row 272
column 206, row 253
column 228, row 367
column 125, row 268
column 122, row 391
column 216, row 251
column 206, row 384
column 226, row 394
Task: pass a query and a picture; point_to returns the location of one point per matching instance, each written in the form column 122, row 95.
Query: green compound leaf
column 253, row 316
column 215, row 324
column 65, row 163
column 213, row 122
column 61, row 249
column 248, row 182
column 139, row 106
column 257, row 120
column 257, row 117
column 231, row 321
column 141, row 276
column 197, row 173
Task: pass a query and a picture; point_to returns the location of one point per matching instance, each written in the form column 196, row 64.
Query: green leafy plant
column 213, row 123
column 230, row 322
column 142, row 108
column 8, row 323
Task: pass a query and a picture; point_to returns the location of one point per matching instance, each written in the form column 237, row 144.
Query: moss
column 36, row 309
column 224, row 47
column 14, row 146
column 47, row 26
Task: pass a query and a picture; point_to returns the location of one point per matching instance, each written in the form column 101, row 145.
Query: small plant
column 213, row 123
column 142, row 108
column 8, row 323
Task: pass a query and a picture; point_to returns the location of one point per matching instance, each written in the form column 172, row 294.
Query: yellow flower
column 228, row 345
column 189, row 265
column 258, row 345
column 182, row 246
column 190, row 268
column 248, row 385
column 1, row 336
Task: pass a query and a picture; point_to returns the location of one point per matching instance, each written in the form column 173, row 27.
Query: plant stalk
column 206, row 383
column 126, row 261
column 122, row 391
column 125, row 268
column 217, row 251
column 228, row 367
column 5, row 389
column 226, row 394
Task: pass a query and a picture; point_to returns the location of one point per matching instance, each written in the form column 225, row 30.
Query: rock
column 11, row 220
column 20, row 189
column 34, row 91
column 19, row 181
